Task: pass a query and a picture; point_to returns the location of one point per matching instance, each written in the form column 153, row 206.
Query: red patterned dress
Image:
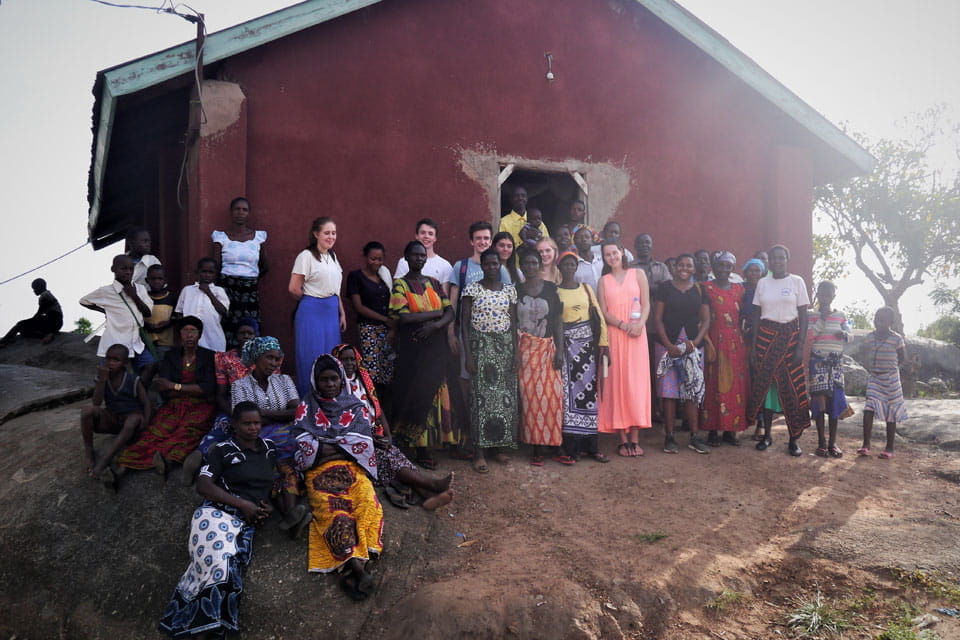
column 727, row 378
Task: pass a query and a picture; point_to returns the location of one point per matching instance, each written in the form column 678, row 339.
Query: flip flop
column 536, row 461
column 886, row 455
column 427, row 463
column 109, row 479
column 835, row 452
column 396, row 498
column 480, row 467
column 863, row 451
column 565, row 460
column 636, row 450
column 821, row 451
column 624, row 450
column 599, row 457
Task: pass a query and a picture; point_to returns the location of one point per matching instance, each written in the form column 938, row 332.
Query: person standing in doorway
column 517, row 218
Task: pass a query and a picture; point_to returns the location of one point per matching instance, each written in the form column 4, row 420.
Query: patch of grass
column 817, row 619
column 728, row 599
column 905, row 631
column 933, row 584
column 650, row 538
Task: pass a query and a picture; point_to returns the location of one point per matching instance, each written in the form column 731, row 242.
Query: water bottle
column 636, row 312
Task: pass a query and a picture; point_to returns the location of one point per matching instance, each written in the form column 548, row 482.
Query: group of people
column 527, row 340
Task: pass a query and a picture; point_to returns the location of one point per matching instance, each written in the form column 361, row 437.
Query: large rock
column 937, row 359
column 68, row 352
column 854, row 377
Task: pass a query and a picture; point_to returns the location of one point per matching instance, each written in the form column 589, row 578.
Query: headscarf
column 256, row 347
column 758, row 262
column 583, row 225
column 726, row 256
column 563, row 255
column 364, row 385
column 190, row 321
column 250, row 322
column 342, row 421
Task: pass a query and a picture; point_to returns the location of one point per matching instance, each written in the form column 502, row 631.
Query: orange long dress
column 625, row 401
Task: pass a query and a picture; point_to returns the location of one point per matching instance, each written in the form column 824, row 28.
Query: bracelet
column 621, row 325
column 177, row 387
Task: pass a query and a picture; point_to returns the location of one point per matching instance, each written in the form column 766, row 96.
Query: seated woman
column 393, row 468
column 228, row 368
column 235, row 484
column 186, row 383
column 335, row 452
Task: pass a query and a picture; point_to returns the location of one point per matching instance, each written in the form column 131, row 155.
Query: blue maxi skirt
column 317, row 330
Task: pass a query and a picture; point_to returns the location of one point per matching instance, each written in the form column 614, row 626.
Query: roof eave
column 174, row 62
column 750, row 73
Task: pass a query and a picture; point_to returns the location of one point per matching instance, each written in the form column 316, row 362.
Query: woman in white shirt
column 776, row 353
column 241, row 262
column 315, row 283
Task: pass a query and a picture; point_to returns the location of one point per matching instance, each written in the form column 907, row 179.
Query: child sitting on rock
column 125, row 410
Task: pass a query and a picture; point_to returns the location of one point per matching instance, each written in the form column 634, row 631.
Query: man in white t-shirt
column 436, row 267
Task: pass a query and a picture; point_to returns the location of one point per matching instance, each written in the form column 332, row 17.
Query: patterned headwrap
column 726, row 256
column 256, row 347
column 343, row 422
column 759, row 263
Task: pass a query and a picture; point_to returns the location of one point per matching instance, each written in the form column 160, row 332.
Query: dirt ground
column 523, row 552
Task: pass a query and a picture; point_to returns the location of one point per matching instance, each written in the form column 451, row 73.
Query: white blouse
column 321, row 278
column 240, row 259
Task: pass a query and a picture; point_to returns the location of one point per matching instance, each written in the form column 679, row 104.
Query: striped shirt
column 822, row 330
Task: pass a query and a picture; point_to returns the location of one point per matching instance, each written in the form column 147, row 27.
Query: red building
column 379, row 112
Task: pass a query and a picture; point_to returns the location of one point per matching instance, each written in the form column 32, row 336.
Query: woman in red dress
column 727, row 376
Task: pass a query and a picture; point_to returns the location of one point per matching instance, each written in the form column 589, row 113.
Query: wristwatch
column 177, row 387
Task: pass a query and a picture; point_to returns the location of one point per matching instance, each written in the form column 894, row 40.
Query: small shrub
column 814, row 618
column 650, row 538
column 83, row 327
column 728, row 599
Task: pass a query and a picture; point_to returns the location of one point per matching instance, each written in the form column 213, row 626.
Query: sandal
column 835, row 452
column 863, row 451
column 350, row 583
column 599, row 457
column 635, row 450
column 886, row 455
column 427, row 463
column 567, row 460
column 396, row 498
column 821, row 451
column 536, row 461
column 480, row 466
column 625, row 450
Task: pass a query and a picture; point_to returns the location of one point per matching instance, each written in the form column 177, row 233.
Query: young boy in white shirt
column 125, row 304
column 208, row 302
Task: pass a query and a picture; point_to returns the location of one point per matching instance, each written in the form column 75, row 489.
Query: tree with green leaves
column 902, row 221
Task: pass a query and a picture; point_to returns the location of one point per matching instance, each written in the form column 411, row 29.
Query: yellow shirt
column 576, row 307
column 514, row 222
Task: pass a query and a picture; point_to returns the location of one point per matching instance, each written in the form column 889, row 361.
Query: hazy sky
column 865, row 62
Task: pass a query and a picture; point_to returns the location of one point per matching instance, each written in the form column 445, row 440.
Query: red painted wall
column 361, row 118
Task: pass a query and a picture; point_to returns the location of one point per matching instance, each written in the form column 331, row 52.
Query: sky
column 868, row 63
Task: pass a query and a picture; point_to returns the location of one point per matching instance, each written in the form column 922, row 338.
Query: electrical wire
column 45, row 263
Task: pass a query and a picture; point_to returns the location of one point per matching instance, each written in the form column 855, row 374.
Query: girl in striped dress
column 827, row 331
column 885, row 353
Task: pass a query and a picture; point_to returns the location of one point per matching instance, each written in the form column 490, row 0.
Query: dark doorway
column 551, row 192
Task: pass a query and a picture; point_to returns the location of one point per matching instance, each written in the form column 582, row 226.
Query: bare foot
column 91, row 465
column 502, row 458
column 437, row 501
column 442, row 484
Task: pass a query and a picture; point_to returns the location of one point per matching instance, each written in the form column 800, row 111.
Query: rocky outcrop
column 933, row 362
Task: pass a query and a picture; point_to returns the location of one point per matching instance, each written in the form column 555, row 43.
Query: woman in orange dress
column 727, row 377
column 624, row 297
